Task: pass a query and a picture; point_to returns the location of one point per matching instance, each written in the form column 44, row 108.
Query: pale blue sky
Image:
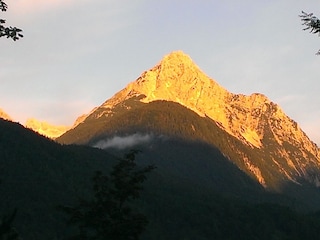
column 77, row 54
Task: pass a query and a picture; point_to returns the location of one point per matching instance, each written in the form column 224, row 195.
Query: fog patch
column 122, row 142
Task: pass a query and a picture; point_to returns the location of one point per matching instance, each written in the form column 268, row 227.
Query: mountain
column 176, row 99
column 45, row 128
column 37, row 175
column 209, row 182
column 4, row 115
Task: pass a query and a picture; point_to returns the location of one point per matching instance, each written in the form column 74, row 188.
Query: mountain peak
column 179, row 67
column 177, row 54
column 254, row 121
column 175, row 58
column 178, row 79
column 175, row 78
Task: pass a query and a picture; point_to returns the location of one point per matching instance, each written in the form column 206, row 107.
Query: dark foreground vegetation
column 176, row 200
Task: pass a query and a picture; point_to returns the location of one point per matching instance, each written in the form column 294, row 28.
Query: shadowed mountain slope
column 38, row 174
column 195, row 192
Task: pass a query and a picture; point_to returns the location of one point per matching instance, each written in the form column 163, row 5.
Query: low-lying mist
column 122, row 142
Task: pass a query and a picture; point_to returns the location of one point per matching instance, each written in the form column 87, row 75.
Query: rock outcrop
column 46, row 129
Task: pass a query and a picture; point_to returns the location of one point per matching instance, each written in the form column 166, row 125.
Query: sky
column 77, row 54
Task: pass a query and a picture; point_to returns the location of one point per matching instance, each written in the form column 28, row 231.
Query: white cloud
column 120, row 142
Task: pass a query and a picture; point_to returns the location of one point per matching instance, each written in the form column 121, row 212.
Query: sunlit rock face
column 177, row 78
column 46, row 129
column 276, row 140
column 43, row 128
column 4, row 115
column 79, row 120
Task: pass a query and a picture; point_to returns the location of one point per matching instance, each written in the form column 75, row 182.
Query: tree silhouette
column 110, row 214
column 311, row 22
column 9, row 32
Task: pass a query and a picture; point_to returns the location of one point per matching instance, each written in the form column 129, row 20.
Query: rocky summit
column 177, row 78
column 278, row 145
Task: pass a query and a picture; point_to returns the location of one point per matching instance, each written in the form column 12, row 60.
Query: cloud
column 120, row 142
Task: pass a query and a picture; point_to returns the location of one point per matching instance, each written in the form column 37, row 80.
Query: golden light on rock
column 46, row 129
column 251, row 119
column 259, row 124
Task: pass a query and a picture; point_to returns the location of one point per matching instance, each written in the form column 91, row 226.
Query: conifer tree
column 110, row 214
